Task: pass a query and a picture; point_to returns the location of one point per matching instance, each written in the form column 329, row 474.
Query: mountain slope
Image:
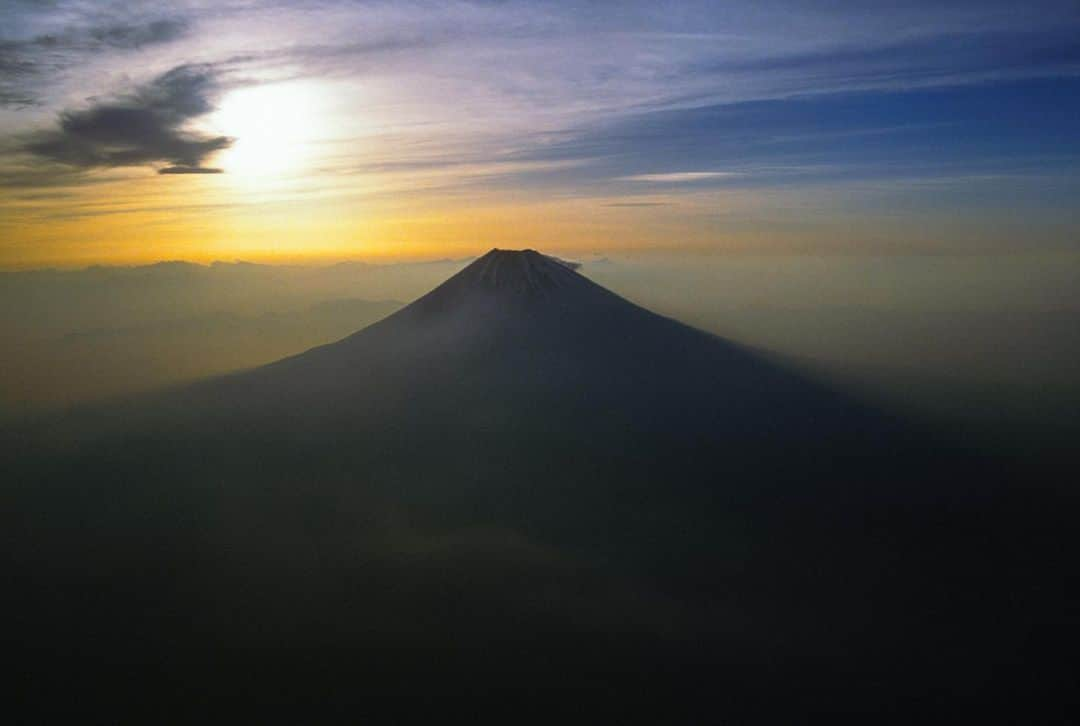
column 541, row 401
column 522, row 324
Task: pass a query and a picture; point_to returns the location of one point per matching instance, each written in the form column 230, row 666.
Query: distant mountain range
column 523, row 484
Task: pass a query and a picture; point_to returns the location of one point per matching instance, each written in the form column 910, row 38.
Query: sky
column 317, row 131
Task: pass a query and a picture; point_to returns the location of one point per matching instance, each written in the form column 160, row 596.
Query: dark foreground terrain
column 524, row 488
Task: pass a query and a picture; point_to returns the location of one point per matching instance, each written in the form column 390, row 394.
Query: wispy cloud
column 189, row 170
column 637, row 204
column 27, row 65
column 680, row 177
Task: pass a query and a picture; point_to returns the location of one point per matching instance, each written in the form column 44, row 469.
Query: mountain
column 519, row 332
column 522, row 483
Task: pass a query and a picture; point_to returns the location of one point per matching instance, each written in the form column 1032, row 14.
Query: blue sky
column 405, row 126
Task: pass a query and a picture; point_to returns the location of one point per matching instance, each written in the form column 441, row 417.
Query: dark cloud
column 14, row 97
column 15, row 73
column 23, row 63
column 122, row 35
column 144, row 127
column 129, row 36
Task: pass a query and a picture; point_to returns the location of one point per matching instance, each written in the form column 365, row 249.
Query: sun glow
column 274, row 126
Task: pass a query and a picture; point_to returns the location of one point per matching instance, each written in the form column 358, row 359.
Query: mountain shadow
column 522, row 485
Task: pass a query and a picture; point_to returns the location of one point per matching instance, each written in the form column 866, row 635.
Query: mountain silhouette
column 517, row 325
column 524, row 483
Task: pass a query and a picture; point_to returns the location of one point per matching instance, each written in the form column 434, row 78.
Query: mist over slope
column 81, row 335
column 523, row 483
column 985, row 347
